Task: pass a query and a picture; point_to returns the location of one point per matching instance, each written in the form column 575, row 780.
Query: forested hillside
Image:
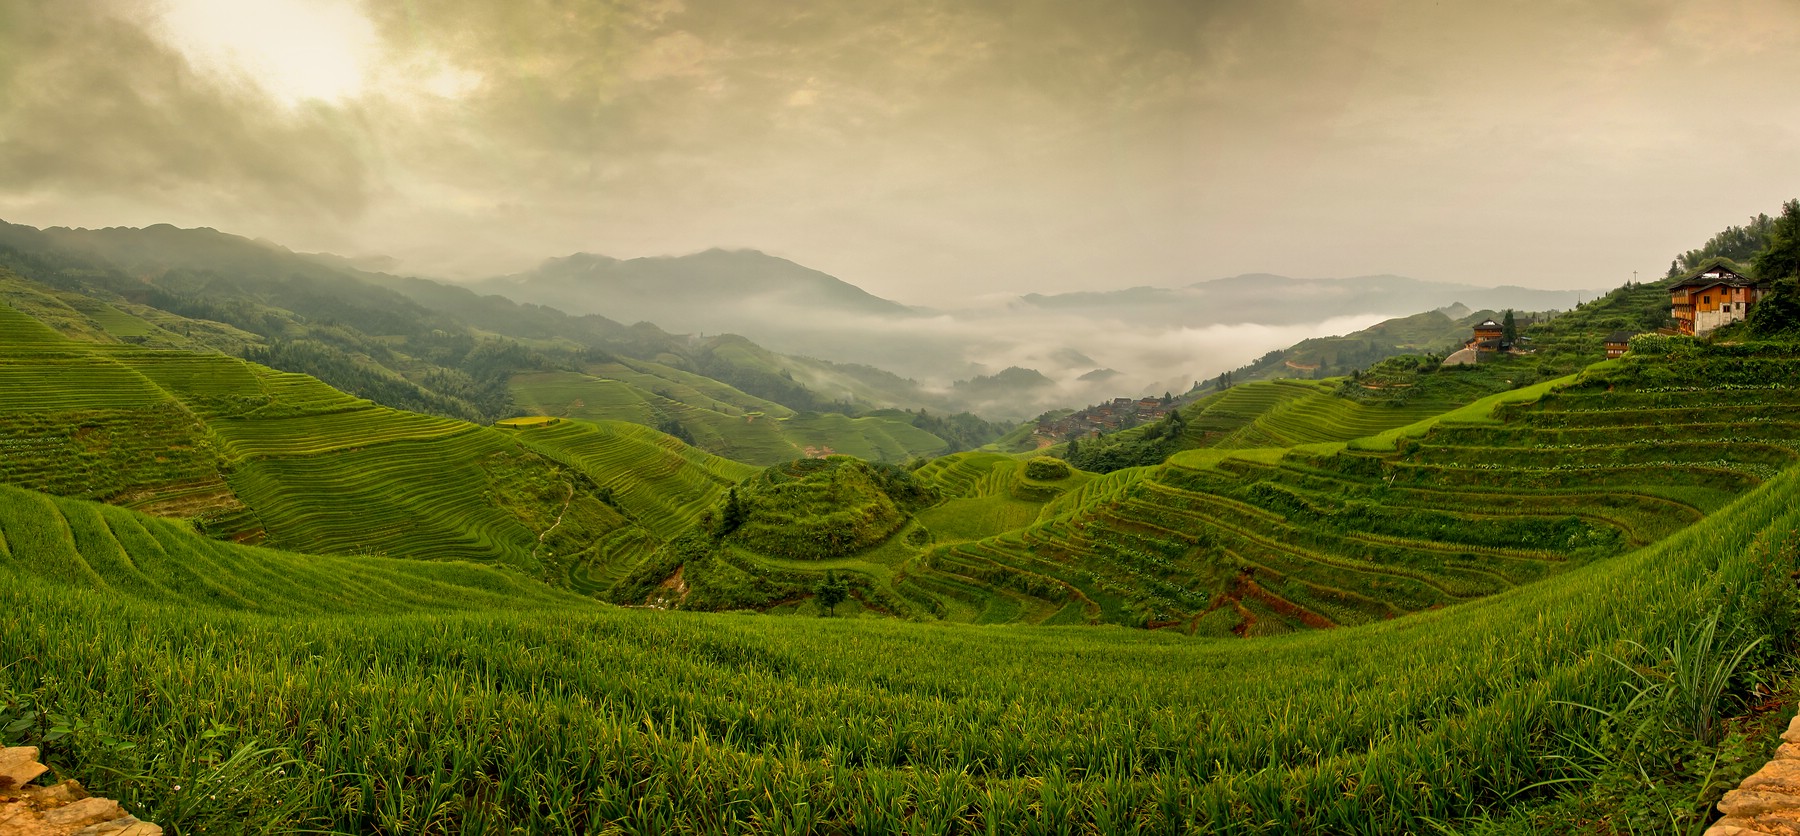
column 406, row 343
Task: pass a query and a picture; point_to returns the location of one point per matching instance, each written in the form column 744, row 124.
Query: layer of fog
column 938, row 349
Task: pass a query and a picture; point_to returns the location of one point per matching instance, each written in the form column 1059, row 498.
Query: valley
column 644, row 598
column 695, row 418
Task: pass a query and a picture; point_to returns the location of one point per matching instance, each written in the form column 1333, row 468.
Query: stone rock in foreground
column 1768, row 802
column 63, row 809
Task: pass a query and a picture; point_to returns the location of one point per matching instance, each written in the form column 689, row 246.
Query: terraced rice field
column 1255, row 542
column 660, row 482
column 45, row 382
column 266, row 456
column 720, row 420
column 1316, row 415
column 103, row 548
column 1228, row 540
column 18, row 330
column 527, row 711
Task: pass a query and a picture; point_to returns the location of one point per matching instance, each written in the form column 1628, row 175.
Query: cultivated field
column 369, row 706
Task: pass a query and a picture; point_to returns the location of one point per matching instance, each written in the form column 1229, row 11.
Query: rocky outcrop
column 63, row 809
column 1767, row 803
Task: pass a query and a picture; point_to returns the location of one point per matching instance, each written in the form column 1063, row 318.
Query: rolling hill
column 256, row 455
column 1416, row 600
column 358, row 701
column 1266, row 522
column 410, row 343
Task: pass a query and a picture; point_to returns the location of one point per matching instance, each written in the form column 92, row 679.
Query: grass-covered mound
column 816, row 509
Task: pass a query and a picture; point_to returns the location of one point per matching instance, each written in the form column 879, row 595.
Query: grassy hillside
column 1263, row 414
column 71, row 544
column 256, row 455
column 570, row 719
column 406, row 343
column 1265, row 524
column 1250, row 541
column 725, row 423
column 260, row 456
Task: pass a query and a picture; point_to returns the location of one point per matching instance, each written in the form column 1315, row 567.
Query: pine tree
column 733, row 514
column 1509, row 328
column 830, row 592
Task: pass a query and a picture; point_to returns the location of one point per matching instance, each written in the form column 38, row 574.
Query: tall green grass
column 578, row 718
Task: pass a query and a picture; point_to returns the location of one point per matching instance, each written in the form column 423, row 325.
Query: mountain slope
column 407, row 343
column 258, row 455
column 709, row 291
column 1280, row 300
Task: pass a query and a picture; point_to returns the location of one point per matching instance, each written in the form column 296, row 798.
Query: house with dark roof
column 1617, row 343
column 1490, row 336
column 1715, row 295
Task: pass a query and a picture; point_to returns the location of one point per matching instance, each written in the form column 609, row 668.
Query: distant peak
column 580, row 259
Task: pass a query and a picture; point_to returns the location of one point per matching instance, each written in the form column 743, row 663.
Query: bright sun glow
column 296, row 49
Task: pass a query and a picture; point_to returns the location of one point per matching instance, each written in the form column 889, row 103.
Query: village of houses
column 1717, row 296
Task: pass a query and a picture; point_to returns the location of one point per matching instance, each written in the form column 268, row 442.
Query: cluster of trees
column 1151, row 445
column 1778, row 314
column 964, row 430
column 1738, row 243
column 779, row 387
column 670, row 426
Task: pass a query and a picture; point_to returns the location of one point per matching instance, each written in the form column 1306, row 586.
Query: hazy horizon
column 917, row 149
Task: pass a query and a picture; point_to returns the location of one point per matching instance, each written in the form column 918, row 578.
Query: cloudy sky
column 919, row 148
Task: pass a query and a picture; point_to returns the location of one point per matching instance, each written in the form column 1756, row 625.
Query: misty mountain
column 1153, row 339
column 706, row 292
column 406, row 342
column 788, row 307
column 1279, row 300
column 1005, row 392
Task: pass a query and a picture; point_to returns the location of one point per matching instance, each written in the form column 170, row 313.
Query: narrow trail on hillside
column 567, row 501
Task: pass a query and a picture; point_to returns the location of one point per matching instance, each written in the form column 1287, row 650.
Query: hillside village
column 1112, row 416
column 1716, row 294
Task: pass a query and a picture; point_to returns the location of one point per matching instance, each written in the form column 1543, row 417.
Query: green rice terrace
column 717, row 418
column 247, row 602
column 1290, row 507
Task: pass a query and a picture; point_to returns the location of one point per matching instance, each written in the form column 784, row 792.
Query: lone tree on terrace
column 831, row 592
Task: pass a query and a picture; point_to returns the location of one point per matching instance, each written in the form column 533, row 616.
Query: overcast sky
column 922, row 149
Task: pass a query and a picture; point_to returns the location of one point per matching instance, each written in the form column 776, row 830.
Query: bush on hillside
column 1662, row 345
column 1047, row 469
column 813, row 509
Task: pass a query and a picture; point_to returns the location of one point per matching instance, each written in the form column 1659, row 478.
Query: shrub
column 1046, row 469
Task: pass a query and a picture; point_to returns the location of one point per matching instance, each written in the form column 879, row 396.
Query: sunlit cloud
column 296, row 50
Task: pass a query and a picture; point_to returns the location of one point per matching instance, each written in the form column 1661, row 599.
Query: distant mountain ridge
column 661, row 289
column 425, row 346
column 1282, row 300
column 1152, row 339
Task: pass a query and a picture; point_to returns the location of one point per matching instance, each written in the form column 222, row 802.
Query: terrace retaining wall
column 63, row 809
column 1768, row 802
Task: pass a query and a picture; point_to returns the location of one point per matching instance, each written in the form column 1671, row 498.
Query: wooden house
column 1715, row 296
column 1489, row 337
column 1617, row 343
